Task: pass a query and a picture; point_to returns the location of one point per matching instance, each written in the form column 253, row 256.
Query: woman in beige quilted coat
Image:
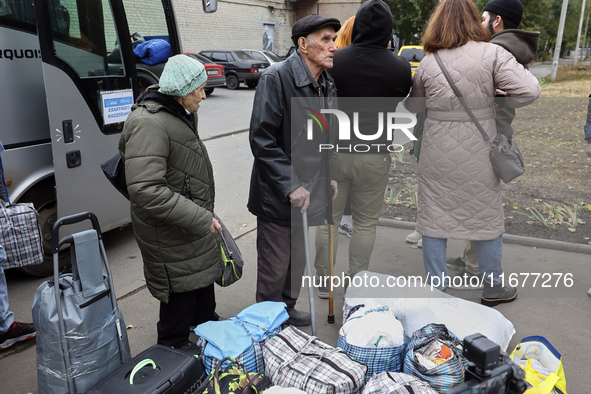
column 459, row 195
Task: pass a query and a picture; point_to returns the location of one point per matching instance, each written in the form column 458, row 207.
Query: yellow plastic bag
column 540, row 349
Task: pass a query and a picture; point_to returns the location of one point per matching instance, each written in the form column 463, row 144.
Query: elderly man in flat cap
column 291, row 174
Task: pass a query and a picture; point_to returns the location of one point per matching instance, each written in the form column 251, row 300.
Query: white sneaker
column 413, row 237
column 345, row 229
column 420, row 243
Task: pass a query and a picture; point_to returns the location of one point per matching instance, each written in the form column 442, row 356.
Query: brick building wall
column 235, row 25
column 239, row 24
column 340, row 9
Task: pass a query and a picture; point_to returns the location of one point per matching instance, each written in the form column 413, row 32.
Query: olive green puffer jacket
column 160, row 147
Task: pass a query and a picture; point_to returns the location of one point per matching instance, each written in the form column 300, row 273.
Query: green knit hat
column 181, row 75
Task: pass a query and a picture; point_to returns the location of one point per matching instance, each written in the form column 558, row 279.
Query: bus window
column 18, row 14
column 80, row 32
column 147, row 18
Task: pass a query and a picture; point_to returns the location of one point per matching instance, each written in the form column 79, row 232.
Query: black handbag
column 114, row 170
column 505, row 157
column 231, row 257
column 232, row 261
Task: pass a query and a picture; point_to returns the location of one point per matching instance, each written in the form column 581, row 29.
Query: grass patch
column 571, row 81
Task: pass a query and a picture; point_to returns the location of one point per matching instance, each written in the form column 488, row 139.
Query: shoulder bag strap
column 459, row 96
column 4, row 188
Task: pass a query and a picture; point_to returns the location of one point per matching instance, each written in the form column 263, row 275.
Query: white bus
column 62, row 64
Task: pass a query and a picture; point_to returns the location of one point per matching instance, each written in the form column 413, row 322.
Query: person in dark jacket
column 364, row 69
column 170, row 182
column 290, row 174
column 501, row 18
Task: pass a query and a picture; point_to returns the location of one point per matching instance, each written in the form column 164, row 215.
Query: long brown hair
column 345, row 33
column 452, row 24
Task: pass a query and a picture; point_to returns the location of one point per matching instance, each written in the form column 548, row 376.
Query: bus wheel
column 43, row 198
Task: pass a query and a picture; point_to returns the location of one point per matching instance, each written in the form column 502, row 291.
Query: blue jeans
column 489, row 255
column 6, row 317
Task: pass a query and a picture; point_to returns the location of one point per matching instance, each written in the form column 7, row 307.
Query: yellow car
column 414, row 54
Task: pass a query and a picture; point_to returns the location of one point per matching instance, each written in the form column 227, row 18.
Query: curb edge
column 508, row 238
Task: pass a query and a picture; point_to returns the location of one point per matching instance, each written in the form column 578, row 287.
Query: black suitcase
column 159, row 369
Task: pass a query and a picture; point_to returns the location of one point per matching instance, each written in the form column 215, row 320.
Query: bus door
column 91, row 82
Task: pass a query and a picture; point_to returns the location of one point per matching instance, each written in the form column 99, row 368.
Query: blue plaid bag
column 377, row 359
column 20, row 235
column 241, row 337
column 444, row 376
column 251, row 358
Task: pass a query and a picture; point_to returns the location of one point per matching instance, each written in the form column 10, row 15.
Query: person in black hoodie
column 366, row 68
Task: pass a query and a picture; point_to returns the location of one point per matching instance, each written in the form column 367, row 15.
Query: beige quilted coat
column 459, row 195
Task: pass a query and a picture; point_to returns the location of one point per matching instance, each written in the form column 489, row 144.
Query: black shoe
column 17, row 332
column 493, row 295
column 456, row 264
column 299, row 319
column 190, row 348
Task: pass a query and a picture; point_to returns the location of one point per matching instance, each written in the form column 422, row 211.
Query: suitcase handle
column 139, row 366
column 56, row 243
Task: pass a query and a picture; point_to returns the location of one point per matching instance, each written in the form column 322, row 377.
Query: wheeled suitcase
column 159, row 369
column 81, row 335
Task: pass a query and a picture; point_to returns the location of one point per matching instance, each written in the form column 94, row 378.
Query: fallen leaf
column 128, row 327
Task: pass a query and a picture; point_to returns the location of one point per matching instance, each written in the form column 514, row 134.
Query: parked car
column 216, row 76
column 239, row 66
column 265, row 56
column 414, row 54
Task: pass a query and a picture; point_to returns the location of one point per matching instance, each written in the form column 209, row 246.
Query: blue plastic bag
column 153, row 52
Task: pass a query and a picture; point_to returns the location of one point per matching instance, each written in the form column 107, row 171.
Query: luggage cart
column 81, row 334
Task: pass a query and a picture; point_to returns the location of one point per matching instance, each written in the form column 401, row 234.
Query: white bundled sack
column 365, row 329
column 416, row 307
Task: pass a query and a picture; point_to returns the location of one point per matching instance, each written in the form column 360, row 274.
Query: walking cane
column 309, row 272
column 330, row 273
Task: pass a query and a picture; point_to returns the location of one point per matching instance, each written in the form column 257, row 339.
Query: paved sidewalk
column 562, row 315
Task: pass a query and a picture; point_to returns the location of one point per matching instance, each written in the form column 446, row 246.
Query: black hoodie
column 523, row 45
column 367, row 68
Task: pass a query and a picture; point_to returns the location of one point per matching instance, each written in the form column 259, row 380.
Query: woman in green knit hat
column 171, row 188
